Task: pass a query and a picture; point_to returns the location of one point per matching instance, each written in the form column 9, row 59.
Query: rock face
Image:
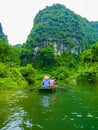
column 2, row 35
column 63, row 28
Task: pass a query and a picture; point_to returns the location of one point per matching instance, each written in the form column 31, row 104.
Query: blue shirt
column 46, row 83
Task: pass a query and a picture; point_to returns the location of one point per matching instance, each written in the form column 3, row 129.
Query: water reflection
column 48, row 99
column 45, row 100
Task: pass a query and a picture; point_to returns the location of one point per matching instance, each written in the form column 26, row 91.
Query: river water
column 73, row 109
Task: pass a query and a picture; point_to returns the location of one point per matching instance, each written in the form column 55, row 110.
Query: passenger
column 46, row 81
column 53, row 82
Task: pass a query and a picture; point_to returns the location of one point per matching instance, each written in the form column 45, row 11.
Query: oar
column 31, row 89
column 62, row 88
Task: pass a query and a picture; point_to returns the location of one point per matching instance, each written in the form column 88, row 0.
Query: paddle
column 62, row 88
column 31, row 89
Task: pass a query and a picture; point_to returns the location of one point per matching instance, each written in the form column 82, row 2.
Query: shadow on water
column 74, row 109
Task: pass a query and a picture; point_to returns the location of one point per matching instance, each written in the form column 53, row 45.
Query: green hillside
column 64, row 29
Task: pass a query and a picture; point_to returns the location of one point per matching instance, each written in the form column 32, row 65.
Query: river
column 73, row 109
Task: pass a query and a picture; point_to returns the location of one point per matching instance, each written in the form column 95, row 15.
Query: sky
column 16, row 16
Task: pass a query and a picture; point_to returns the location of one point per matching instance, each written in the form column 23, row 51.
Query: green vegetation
column 88, row 68
column 45, row 58
column 12, row 75
column 61, row 44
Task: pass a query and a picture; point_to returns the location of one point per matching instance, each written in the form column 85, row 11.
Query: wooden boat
column 48, row 89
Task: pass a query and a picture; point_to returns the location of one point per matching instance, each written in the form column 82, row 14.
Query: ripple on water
column 28, row 124
column 90, row 115
column 71, row 119
column 79, row 115
column 38, row 125
column 65, row 117
column 74, row 113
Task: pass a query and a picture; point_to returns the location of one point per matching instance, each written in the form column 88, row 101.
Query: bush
column 28, row 73
column 87, row 77
column 61, row 73
column 10, row 77
column 8, row 83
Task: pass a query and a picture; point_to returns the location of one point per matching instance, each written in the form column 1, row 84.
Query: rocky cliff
column 2, row 35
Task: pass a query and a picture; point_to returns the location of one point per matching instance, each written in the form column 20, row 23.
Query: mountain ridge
column 63, row 28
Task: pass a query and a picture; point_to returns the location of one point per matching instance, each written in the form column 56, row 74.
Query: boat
column 48, row 89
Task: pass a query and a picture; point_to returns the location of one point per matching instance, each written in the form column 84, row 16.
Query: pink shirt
column 52, row 82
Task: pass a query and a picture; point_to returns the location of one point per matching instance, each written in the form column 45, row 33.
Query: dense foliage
column 8, row 54
column 12, row 75
column 45, row 58
column 88, row 69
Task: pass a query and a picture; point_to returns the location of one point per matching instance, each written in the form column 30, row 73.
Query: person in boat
column 53, row 82
column 46, row 81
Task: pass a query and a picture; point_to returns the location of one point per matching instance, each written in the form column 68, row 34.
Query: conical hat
column 46, row 77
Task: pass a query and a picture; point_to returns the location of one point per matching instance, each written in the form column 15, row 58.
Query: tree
column 45, row 57
column 8, row 54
